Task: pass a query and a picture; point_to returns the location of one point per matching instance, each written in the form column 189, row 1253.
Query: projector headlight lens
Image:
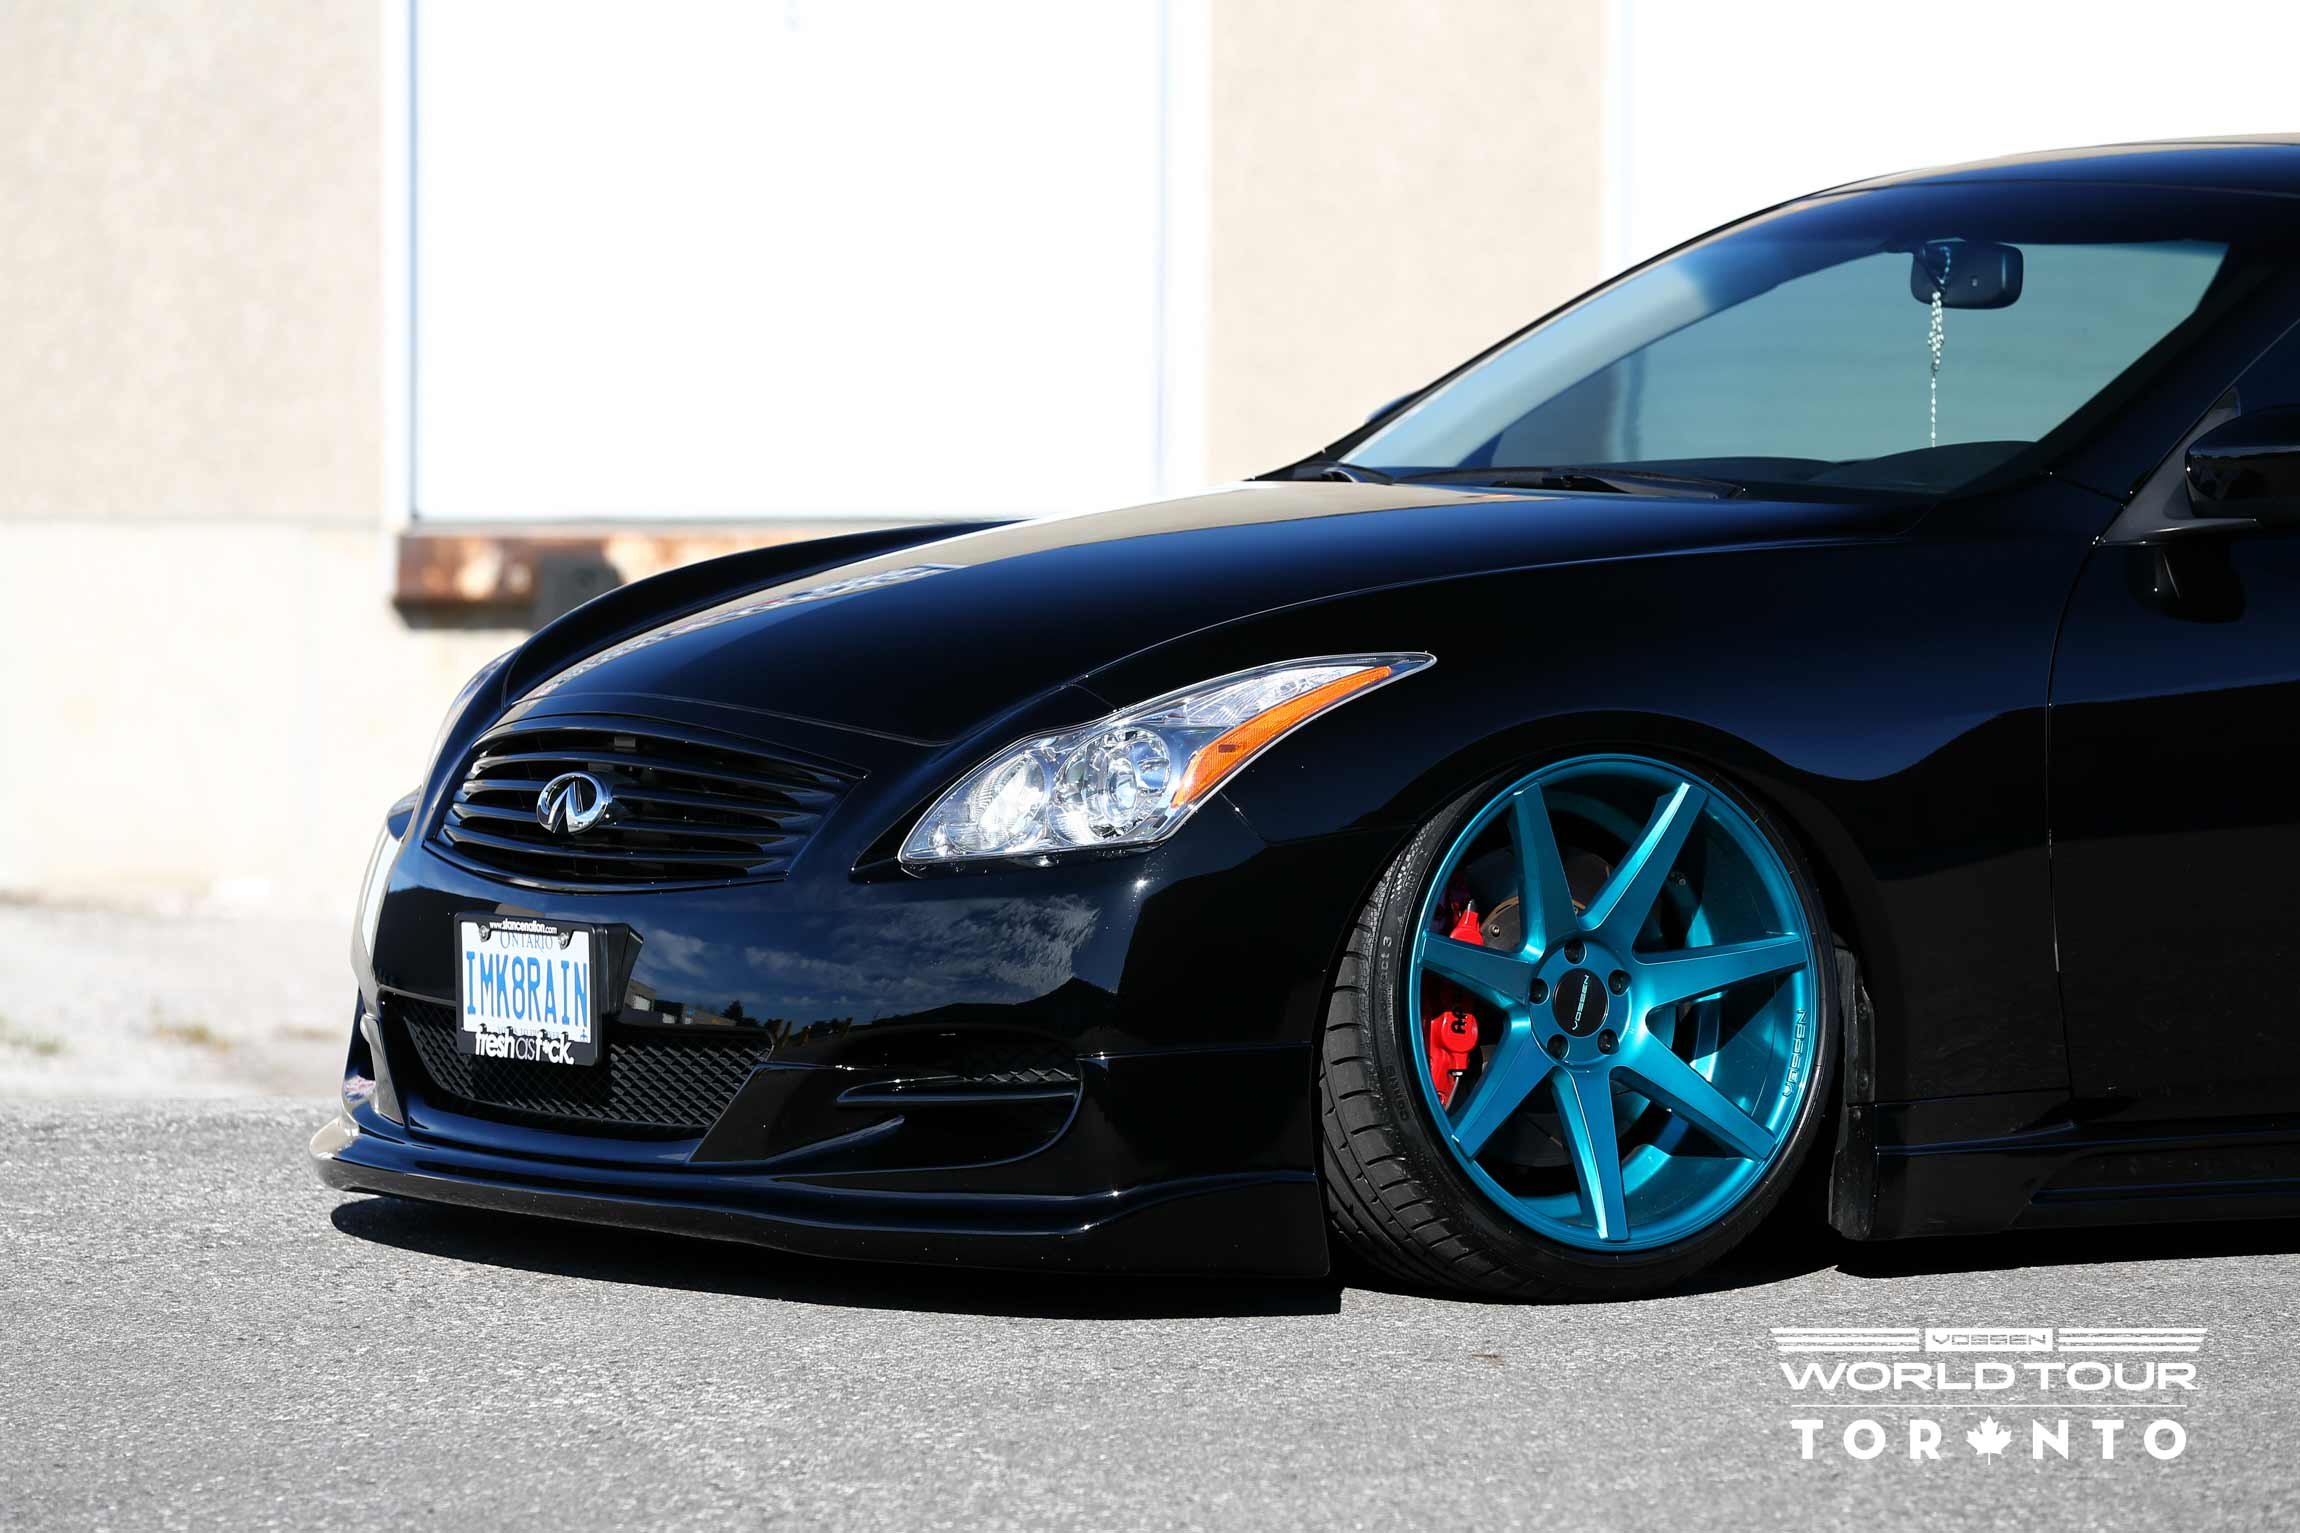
column 1135, row 777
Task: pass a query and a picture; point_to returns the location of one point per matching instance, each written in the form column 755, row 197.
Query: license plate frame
column 528, row 989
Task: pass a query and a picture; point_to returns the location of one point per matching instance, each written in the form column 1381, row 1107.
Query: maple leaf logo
column 1988, row 1439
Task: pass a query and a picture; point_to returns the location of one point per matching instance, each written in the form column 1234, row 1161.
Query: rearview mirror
column 2248, row 467
column 1968, row 274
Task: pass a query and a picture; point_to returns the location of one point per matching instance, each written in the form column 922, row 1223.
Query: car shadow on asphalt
column 2065, row 1248
column 597, row 1254
column 1779, row 1253
column 1785, row 1252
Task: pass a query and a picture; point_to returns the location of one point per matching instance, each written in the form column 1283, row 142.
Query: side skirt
column 2029, row 1161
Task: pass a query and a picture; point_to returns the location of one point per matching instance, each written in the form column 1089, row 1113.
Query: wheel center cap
column 1580, row 1003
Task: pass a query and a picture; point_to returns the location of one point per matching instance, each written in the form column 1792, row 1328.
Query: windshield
column 1911, row 339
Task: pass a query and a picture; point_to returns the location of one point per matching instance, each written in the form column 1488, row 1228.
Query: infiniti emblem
column 572, row 803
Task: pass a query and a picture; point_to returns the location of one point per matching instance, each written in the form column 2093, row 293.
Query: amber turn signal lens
column 1236, row 746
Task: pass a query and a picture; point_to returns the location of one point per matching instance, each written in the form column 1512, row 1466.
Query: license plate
column 524, row 990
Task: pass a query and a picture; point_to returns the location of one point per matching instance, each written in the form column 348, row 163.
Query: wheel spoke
column 1518, row 1066
column 1620, row 909
column 1683, row 1089
column 1543, row 897
column 1586, row 1104
column 1666, row 978
column 1502, row 976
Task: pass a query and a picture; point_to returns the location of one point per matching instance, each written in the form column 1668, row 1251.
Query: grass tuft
column 196, row 1035
column 38, row 1045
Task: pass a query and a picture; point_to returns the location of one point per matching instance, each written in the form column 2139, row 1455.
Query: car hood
column 923, row 642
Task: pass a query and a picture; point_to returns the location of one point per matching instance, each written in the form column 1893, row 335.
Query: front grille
column 646, row 1079
column 687, row 809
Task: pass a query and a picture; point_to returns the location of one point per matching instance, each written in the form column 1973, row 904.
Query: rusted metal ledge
column 532, row 573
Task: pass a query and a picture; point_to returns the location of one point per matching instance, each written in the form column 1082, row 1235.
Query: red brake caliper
column 1453, row 1034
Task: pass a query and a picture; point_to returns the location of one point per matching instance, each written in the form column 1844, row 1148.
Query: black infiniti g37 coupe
column 1817, row 709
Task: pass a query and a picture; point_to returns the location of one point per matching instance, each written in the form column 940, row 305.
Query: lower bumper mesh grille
column 676, row 1083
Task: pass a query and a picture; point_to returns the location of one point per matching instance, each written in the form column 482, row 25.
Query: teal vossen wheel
column 1614, row 981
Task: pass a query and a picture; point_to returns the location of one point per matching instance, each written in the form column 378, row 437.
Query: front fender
column 1897, row 736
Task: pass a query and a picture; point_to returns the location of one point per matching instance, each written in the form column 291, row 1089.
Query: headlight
column 379, row 863
column 1134, row 777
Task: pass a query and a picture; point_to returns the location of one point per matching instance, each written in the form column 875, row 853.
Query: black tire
column 1394, row 1193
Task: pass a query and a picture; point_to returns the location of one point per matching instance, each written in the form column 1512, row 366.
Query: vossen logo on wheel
column 1581, row 1004
column 1930, row 1394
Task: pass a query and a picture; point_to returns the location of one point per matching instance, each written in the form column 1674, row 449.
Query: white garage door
column 740, row 258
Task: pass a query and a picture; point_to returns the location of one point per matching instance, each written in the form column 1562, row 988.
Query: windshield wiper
column 1586, row 481
column 1333, row 469
column 1600, row 481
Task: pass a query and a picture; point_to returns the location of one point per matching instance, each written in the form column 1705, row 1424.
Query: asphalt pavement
column 194, row 1333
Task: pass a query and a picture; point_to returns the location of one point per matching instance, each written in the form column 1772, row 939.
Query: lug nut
column 1573, row 952
column 1557, row 1046
column 1618, row 983
column 1606, row 1042
column 1539, row 993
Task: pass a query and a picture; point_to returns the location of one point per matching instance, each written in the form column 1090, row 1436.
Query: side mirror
column 2249, row 467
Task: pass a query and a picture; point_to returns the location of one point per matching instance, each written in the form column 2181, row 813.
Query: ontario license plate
column 525, row 990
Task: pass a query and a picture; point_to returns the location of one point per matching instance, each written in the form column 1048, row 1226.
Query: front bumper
column 1105, row 1063
column 1266, row 1219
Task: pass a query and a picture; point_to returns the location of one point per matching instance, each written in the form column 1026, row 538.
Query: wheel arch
column 1796, row 802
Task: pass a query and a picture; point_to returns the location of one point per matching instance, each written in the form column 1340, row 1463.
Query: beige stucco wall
column 1395, row 184
column 207, row 695
column 191, row 262
column 208, row 712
